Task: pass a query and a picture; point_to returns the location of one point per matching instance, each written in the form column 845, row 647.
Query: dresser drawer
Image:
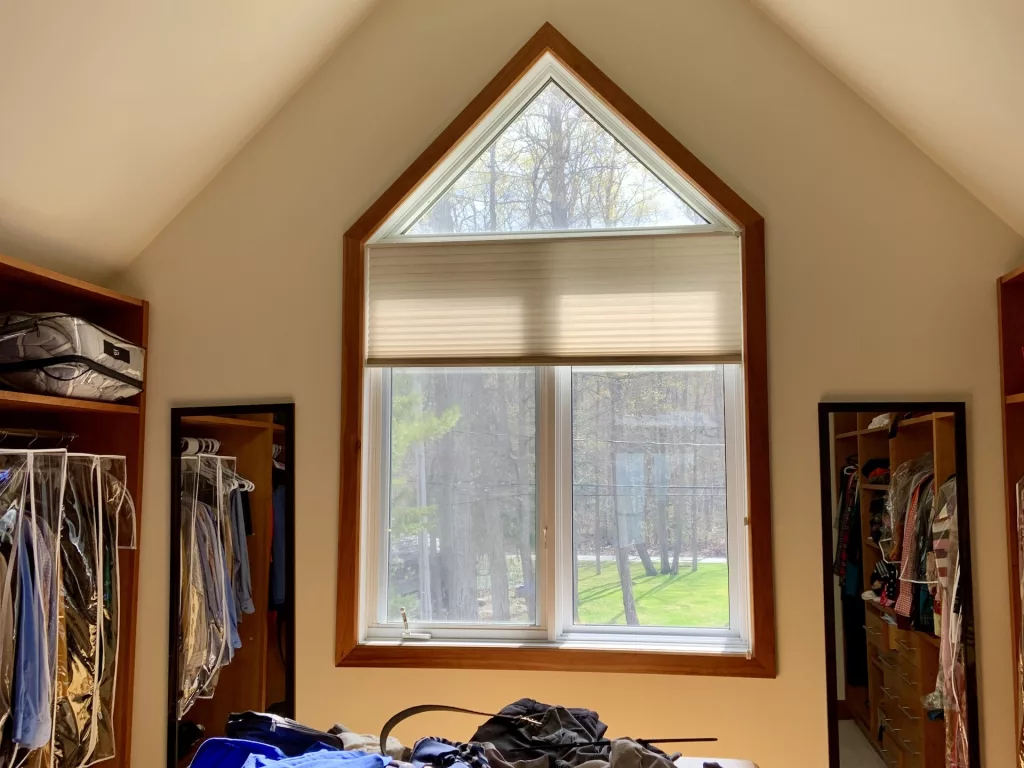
column 906, row 723
column 891, row 753
column 876, row 630
column 906, row 645
column 906, row 748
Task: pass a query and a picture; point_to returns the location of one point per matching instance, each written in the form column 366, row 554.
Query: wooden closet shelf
column 1014, row 399
column 875, row 487
column 928, row 418
column 25, row 401
column 57, row 284
column 228, row 421
column 870, row 544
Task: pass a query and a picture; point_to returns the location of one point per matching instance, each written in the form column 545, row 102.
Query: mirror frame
column 286, row 413
column 958, row 409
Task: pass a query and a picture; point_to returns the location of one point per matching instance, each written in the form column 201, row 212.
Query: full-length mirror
column 898, row 610
column 232, row 584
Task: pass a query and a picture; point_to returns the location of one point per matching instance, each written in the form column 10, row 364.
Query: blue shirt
column 324, row 758
column 35, row 654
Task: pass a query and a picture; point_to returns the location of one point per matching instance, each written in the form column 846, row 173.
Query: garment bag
column 117, row 527
column 74, row 733
column 13, row 492
column 216, row 551
column 206, row 628
column 194, row 637
column 37, row 601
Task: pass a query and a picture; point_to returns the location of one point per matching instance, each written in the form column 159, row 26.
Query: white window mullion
column 738, row 530
column 547, row 502
column 562, row 458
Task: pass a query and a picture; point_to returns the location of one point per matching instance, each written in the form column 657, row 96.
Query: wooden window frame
column 349, row 652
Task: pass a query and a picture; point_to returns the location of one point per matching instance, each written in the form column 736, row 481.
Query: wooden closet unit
column 902, row 663
column 103, row 428
column 249, row 682
column 1010, row 296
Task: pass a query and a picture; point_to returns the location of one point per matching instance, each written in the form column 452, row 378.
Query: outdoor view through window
column 649, row 540
column 554, row 168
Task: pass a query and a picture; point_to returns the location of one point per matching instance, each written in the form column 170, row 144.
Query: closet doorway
column 898, row 602
column 232, row 586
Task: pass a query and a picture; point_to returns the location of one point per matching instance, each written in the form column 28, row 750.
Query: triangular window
column 554, row 168
column 551, row 158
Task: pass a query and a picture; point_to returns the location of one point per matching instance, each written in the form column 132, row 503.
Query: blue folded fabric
column 324, row 758
column 219, row 752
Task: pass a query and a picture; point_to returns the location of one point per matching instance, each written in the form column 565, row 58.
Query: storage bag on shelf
column 58, row 354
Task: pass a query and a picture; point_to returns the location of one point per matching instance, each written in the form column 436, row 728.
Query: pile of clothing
column 525, row 734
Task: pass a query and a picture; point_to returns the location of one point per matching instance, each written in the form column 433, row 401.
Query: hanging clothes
column 81, row 555
column 216, row 585
column 848, row 522
column 57, row 513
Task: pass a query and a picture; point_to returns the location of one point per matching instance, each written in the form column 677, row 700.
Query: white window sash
column 554, row 582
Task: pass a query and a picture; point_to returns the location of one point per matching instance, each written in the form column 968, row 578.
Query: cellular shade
column 643, row 298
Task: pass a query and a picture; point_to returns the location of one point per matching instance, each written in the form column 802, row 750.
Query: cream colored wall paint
column 880, row 284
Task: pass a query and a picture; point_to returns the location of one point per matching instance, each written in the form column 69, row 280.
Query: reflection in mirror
column 897, row 574
column 232, row 570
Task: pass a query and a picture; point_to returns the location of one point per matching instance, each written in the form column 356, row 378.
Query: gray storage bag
column 57, row 354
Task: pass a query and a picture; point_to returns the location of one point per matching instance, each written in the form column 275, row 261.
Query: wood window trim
column 349, row 652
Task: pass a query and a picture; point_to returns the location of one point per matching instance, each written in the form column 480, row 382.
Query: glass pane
column 554, row 168
column 649, row 496
column 463, row 510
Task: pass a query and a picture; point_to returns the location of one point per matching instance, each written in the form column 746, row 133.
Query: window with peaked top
column 554, row 398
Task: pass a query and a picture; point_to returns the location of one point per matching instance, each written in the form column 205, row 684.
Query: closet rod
column 37, row 433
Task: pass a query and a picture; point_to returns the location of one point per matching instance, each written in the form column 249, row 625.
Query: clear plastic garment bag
column 207, row 611
column 62, row 519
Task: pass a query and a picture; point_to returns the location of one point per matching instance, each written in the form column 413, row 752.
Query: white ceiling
column 115, row 113
column 948, row 73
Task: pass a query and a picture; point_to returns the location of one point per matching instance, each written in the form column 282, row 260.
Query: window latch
column 406, row 633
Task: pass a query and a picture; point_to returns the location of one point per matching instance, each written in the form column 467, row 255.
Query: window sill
column 551, row 657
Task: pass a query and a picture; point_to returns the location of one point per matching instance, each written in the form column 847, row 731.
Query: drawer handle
column 906, row 647
column 906, row 713
column 907, row 680
column 888, row 693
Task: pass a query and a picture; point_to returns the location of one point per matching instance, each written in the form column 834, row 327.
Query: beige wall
column 880, row 284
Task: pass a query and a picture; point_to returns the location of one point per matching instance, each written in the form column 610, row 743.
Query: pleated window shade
column 643, row 298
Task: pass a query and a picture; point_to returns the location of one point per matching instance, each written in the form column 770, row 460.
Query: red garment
column 905, row 601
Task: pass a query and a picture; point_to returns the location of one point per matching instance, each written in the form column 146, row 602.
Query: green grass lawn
column 688, row 599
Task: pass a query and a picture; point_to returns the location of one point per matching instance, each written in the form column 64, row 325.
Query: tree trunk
column 527, row 520
column 645, row 558
column 598, row 543
column 678, row 543
column 558, row 183
column 492, row 191
column 461, row 564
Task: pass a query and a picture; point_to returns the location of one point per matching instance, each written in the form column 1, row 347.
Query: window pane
column 463, row 513
column 649, row 496
column 554, row 168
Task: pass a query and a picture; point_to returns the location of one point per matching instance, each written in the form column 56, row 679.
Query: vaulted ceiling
column 948, row 73
column 116, row 113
